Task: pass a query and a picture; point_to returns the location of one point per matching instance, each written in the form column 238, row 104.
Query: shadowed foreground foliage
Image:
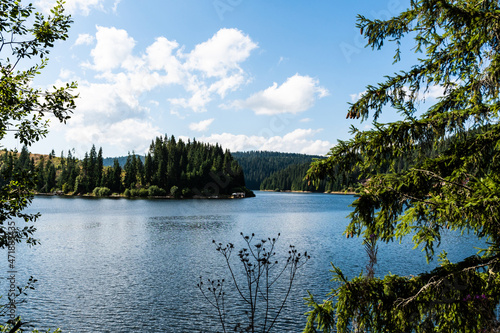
column 26, row 36
column 457, row 189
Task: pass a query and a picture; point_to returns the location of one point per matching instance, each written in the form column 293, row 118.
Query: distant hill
column 292, row 179
column 258, row 165
column 109, row 161
column 289, row 179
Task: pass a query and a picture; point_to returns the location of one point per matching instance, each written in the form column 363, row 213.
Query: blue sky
column 249, row 74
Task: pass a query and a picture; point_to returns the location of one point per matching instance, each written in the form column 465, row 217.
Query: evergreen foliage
column 204, row 169
column 258, row 165
column 457, row 188
column 170, row 167
column 292, row 178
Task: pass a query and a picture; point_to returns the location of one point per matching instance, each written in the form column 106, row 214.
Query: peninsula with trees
column 171, row 168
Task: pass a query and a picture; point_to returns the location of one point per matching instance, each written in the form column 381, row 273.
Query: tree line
column 277, row 171
column 170, row 167
column 258, row 165
column 292, row 178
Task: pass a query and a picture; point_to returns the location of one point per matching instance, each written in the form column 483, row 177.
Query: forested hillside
column 274, row 171
column 292, row 179
column 258, row 165
column 171, row 167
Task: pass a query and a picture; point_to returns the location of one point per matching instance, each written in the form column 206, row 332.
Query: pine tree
column 99, row 168
column 457, row 189
column 91, row 169
column 50, row 176
column 116, row 185
column 23, row 161
column 41, row 184
column 148, row 170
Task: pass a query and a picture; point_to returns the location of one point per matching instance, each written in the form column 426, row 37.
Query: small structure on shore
column 238, row 195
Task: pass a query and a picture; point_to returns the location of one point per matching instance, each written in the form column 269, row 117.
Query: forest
column 272, row 171
column 258, row 165
column 179, row 169
column 276, row 171
column 292, row 178
column 170, row 168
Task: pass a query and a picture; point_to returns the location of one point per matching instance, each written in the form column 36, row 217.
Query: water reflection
column 178, row 223
column 133, row 265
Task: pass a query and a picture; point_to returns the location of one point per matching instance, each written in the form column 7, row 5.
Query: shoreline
column 290, row 191
column 194, row 197
column 121, row 196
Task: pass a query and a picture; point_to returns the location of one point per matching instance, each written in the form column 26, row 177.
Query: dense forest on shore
column 179, row 169
column 170, row 168
column 266, row 170
column 275, row 171
column 292, row 179
column 258, row 165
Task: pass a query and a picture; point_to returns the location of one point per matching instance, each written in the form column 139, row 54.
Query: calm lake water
column 117, row 265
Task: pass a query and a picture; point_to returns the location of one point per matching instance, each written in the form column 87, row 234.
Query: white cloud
column 84, row 39
column 297, row 94
column 110, row 113
column 113, row 48
column 212, row 68
column 202, row 126
column 73, row 6
column 434, row 92
column 65, row 74
column 160, row 56
column 113, row 107
column 177, row 114
column 221, row 54
column 299, row 141
column 197, row 102
column 356, row 97
column 129, row 134
column 115, row 5
column 230, row 83
column 305, row 120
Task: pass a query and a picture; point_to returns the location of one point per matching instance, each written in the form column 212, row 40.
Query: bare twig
column 258, row 271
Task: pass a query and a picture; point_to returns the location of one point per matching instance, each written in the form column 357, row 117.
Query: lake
column 118, row 265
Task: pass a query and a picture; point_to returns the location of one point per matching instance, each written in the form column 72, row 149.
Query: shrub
column 263, row 286
column 138, row 192
column 174, row 191
column 187, row 193
column 155, row 191
column 101, row 191
column 66, row 188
